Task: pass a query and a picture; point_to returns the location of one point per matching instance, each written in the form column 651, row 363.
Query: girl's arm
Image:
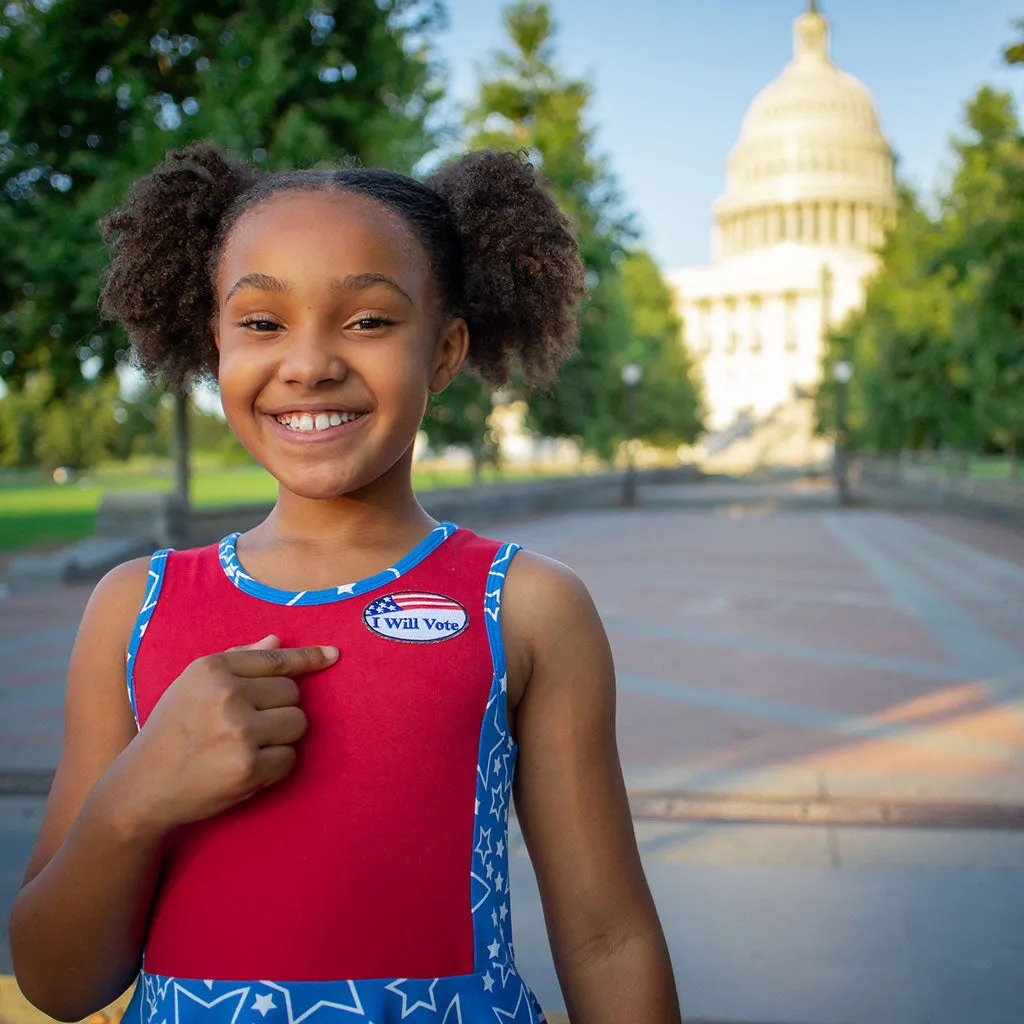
column 224, row 729
column 608, row 946
column 77, row 924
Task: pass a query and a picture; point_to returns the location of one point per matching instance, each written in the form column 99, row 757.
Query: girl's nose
column 311, row 359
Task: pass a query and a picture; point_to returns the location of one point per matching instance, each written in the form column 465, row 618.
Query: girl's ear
column 450, row 354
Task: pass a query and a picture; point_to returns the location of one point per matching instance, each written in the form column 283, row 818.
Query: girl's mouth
column 315, row 426
column 312, row 423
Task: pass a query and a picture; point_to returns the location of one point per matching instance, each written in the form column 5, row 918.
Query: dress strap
column 157, row 567
column 492, row 921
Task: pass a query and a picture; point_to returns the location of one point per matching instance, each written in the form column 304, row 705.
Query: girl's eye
column 371, row 323
column 260, row 324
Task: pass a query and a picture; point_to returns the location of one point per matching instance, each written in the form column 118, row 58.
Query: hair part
column 503, row 255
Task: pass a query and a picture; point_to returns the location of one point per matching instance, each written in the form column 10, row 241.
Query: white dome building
column 808, row 196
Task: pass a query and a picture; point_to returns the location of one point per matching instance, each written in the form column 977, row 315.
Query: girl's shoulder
column 117, row 597
column 546, row 612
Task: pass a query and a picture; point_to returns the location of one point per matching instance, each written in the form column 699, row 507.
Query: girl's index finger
column 280, row 661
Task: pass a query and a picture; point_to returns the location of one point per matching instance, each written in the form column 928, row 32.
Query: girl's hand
column 224, row 729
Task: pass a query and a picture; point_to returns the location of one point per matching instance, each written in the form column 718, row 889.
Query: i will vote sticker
column 416, row 617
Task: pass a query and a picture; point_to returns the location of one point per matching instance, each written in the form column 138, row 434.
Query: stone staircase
column 784, row 437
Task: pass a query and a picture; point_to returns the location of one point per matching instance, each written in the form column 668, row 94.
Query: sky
column 672, row 80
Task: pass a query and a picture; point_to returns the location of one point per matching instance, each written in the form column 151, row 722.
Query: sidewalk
column 764, row 647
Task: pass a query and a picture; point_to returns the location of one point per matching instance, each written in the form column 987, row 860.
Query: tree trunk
column 478, row 454
column 180, row 504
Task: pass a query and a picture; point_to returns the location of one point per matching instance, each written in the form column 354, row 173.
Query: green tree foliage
column 669, row 408
column 458, row 416
column 77, row 430
column 526, row 104
column 91, row 96
column 938, row 350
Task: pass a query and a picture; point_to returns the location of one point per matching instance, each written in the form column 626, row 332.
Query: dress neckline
column 236, row 573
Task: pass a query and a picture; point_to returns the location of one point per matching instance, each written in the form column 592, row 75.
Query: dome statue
column 811, row 163
column 809, row 194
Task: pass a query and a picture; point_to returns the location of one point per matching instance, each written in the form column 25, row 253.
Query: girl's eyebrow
column 352, row 283
column 358, row 282
column 262, row 282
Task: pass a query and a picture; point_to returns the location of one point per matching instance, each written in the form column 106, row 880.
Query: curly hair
column 503, row 254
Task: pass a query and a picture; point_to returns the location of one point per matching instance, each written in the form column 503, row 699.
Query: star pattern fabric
column 494, row 993
column 241, row 579
column 464, row 999
column 157, row 565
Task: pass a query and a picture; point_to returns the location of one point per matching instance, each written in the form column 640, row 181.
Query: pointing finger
column 280, row 661
column 261, row 645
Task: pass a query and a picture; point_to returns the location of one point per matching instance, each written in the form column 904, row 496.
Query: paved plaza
column 764, row 648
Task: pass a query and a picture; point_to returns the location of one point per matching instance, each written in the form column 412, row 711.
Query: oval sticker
column 416, row 617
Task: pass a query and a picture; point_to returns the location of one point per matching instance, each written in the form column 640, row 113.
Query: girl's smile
column 317, row 425
column 330, row 337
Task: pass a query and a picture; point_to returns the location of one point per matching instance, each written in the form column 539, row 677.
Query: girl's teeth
column 308, row 423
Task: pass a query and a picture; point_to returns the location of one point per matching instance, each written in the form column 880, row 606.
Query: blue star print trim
column 496, row 763
column 462, row 999
column 241, row 579
column 157, row 565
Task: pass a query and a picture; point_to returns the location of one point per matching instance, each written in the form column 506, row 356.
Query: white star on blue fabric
column 396, row 987
column 506, row 970
column 354, row 1007
column 497, row 801
column 484, row 849
column 263, row 1004
column 453, row 1017
column 227, row 1010
column 521, row 1002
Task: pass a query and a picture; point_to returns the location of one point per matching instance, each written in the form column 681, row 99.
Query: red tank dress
column 372, row 882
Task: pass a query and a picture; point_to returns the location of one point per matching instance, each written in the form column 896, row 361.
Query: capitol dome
column 811, row 165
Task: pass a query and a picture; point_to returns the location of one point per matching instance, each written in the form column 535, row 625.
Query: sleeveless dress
column 372, row 883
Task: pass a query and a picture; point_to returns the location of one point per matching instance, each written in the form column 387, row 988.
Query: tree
column 939, row 345
column 983, row 219
column 671, row 411
column 459, row 416
column 93, row 95
column 901, row 394
column 526, row 104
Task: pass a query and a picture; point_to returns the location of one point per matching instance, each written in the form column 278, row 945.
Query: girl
column 308, row 781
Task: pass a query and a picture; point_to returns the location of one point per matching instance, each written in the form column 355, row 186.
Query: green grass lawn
column 36, row 512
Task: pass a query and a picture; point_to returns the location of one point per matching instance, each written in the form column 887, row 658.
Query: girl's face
column 330, row 337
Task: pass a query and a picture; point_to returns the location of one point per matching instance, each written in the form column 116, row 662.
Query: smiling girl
column 326, row 808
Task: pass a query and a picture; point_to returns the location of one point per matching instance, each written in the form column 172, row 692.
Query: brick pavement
column 767, row 650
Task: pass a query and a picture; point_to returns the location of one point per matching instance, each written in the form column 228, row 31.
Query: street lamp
column 842, row 372
column 632, row 374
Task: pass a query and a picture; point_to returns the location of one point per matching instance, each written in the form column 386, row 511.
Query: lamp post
column 632, row 374
column 842, row 372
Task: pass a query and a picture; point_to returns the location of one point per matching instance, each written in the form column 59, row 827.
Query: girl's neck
column 381, row 514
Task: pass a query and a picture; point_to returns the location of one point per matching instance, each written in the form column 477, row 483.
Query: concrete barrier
column 512, row 499
column 130, row 524
column 895, row 483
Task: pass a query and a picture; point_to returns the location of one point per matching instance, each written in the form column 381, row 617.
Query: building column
column 792, row 232
column 864, row 232
column 843, row 224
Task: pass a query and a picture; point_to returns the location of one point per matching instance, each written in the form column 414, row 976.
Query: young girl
column 308, row 780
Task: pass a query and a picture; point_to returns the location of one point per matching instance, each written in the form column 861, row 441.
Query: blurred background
column 786, row 456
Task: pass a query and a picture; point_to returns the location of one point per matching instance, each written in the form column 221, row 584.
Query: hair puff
column 159, row 285
column 523, row 276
